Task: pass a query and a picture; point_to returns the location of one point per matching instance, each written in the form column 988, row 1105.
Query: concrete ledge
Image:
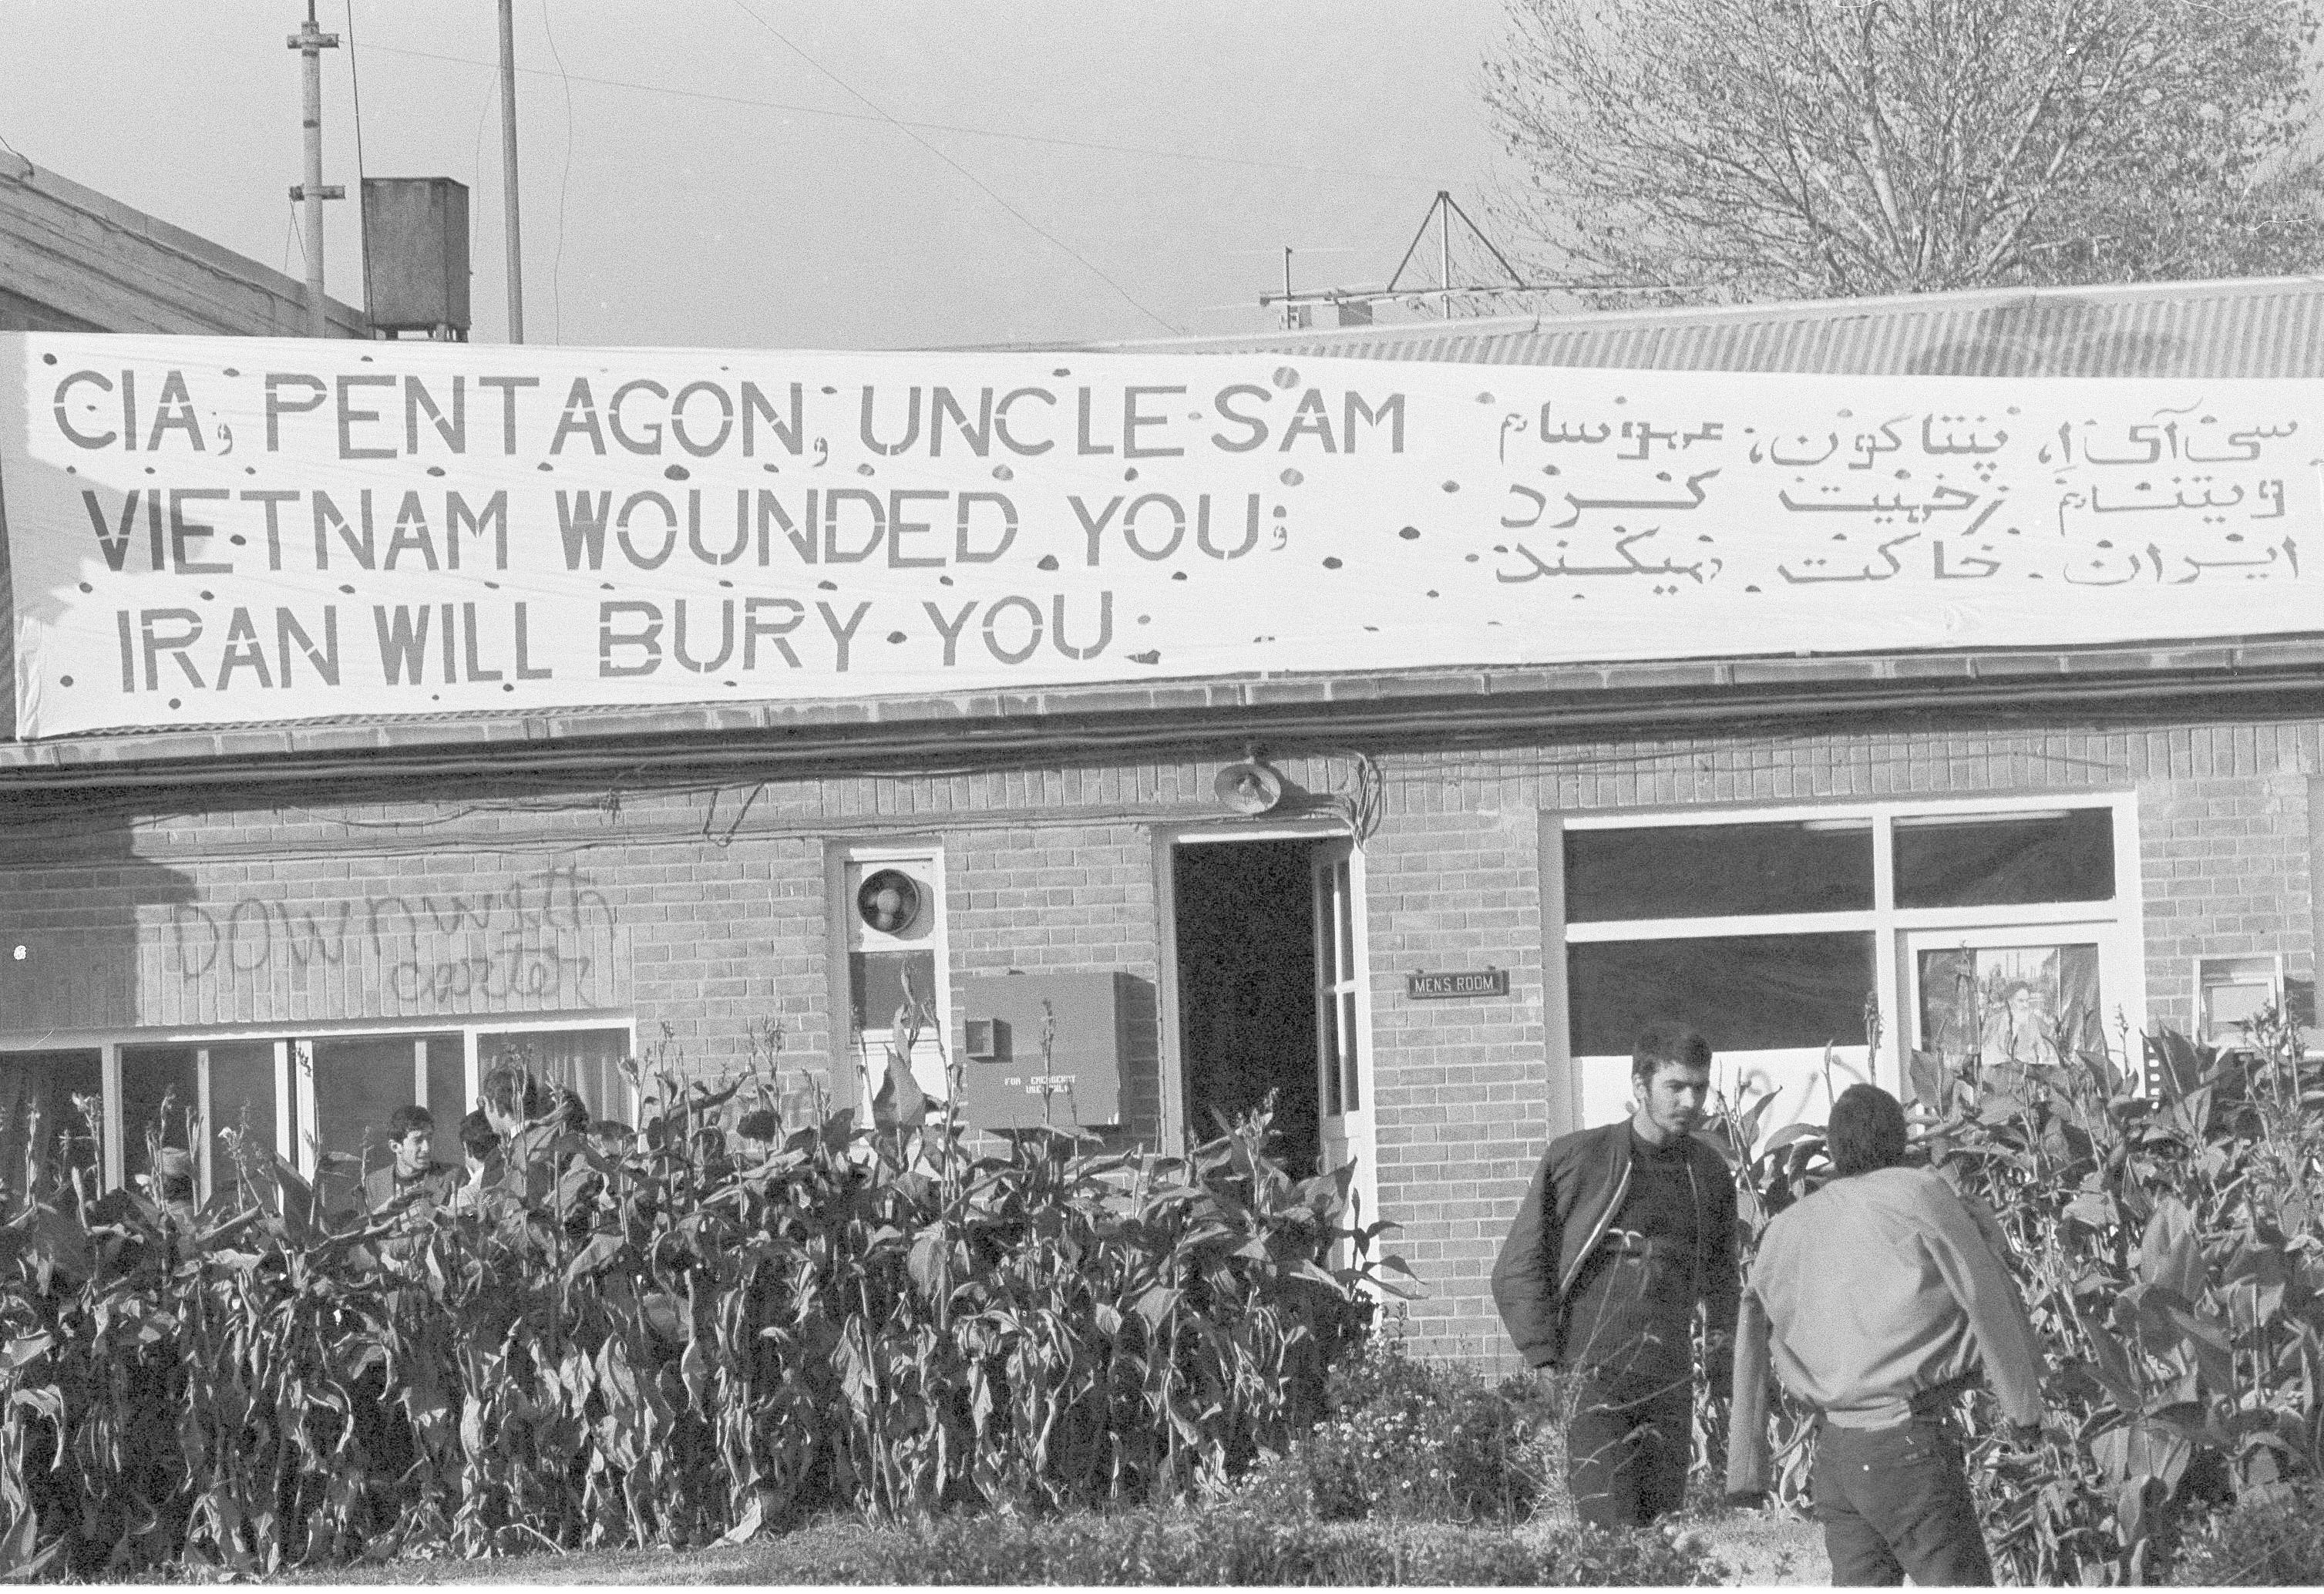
column 1752, row 672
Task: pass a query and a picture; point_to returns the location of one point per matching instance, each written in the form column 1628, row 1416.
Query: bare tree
column 1756, row 148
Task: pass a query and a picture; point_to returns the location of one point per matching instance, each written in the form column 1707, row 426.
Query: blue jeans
column 1894, row 1501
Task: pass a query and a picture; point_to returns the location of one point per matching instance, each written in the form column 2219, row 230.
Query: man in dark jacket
column 1626, row 1229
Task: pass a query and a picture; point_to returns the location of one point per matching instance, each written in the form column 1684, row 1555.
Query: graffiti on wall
column 527, row 938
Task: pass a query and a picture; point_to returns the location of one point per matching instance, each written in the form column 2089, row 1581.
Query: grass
column 1761, row 1549
column 1770, row 1549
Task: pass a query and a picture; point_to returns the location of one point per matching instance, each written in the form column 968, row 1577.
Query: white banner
column 205, row 531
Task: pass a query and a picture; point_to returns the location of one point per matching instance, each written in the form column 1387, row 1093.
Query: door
column 1342, row 1026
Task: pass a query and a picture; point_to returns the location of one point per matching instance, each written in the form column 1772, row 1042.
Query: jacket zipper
column 1605, row 1221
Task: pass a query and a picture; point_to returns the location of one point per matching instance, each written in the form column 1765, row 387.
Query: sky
column 753, row 173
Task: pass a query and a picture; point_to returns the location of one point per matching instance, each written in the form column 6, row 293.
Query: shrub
column 1247, row 1547
column 656, row 1349
column 2278, row 1543
column 1416, row 1440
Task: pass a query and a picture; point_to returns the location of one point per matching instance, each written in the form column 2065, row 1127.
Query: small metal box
column 415, row 254
column 1011, row 1080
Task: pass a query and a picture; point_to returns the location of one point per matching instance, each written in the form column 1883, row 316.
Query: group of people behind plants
column 514, row 1146
column 1879, row 1298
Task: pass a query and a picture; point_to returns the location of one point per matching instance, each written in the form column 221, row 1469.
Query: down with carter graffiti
column 212, row 531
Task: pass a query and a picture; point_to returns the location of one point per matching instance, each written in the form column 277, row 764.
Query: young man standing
column 479, row 1150
column 412, row 1183
column 1626, row 1229
column 413, row 1170
column 1885, row 1291
column 523, row 1112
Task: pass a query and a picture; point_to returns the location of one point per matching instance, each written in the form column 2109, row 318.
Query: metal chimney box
column 415, row 254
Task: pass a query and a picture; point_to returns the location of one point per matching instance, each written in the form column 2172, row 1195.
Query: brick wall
column 705, row 913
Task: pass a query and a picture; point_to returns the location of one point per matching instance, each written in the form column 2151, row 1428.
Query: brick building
column 1429, row 917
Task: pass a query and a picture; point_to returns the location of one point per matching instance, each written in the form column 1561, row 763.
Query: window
column 2003, row 928
column 44, row 1138
column 587, row 1062
column 302, row 1093
column 890, row 919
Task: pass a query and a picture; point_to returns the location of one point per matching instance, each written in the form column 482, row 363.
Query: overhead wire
column 965, row 130
column 1087, row 264
column 563, row 181
column 354, row 85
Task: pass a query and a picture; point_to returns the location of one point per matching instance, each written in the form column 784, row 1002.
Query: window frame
column 295, row 1080
column 1894, row 929
column 851, row 1046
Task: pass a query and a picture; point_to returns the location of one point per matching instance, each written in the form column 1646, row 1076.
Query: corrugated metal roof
column 2268, row 326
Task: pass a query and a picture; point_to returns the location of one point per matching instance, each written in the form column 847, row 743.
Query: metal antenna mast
column 310, row 41
column 1354, row 303
column 1444, row 209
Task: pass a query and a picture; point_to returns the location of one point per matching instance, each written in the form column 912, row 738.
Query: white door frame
column 1167, row 838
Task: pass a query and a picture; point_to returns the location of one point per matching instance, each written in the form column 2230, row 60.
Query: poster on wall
column 2020, row 1006
column 215, row 532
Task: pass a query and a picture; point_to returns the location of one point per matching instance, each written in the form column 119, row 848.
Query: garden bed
column 1761, row 1549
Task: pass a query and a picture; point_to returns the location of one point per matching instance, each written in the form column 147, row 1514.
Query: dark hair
column 571, row 1112
column 1867, row 1132
column 757, row 1125
column 513, row 1092
column 1664, row 1043
column 404, row 1120
column 477, row 1138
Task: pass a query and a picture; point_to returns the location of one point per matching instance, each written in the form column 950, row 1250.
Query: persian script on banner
column 206, row 531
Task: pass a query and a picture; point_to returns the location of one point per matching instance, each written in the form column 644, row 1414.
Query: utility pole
column 310, row 41
column 508, row 173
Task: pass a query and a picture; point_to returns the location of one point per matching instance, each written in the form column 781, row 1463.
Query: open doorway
column 1245, row 914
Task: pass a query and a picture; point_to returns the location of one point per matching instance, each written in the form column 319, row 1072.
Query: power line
column 1087, row 264
column 565, row 178
column 904, row 122
column 355, row 83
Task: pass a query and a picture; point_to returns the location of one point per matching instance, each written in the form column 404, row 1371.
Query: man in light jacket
column 1885, row 1293
column 1624, row 1230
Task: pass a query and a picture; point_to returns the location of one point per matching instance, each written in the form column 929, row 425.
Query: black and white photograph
column 1497, row 792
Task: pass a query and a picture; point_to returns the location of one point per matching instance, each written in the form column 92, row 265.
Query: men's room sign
column 1422, row 986
column 219, row 531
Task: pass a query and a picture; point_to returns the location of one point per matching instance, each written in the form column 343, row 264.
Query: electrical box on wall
column 1043, row 1049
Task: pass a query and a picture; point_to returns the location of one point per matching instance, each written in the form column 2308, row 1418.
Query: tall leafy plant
column 650, row 1345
